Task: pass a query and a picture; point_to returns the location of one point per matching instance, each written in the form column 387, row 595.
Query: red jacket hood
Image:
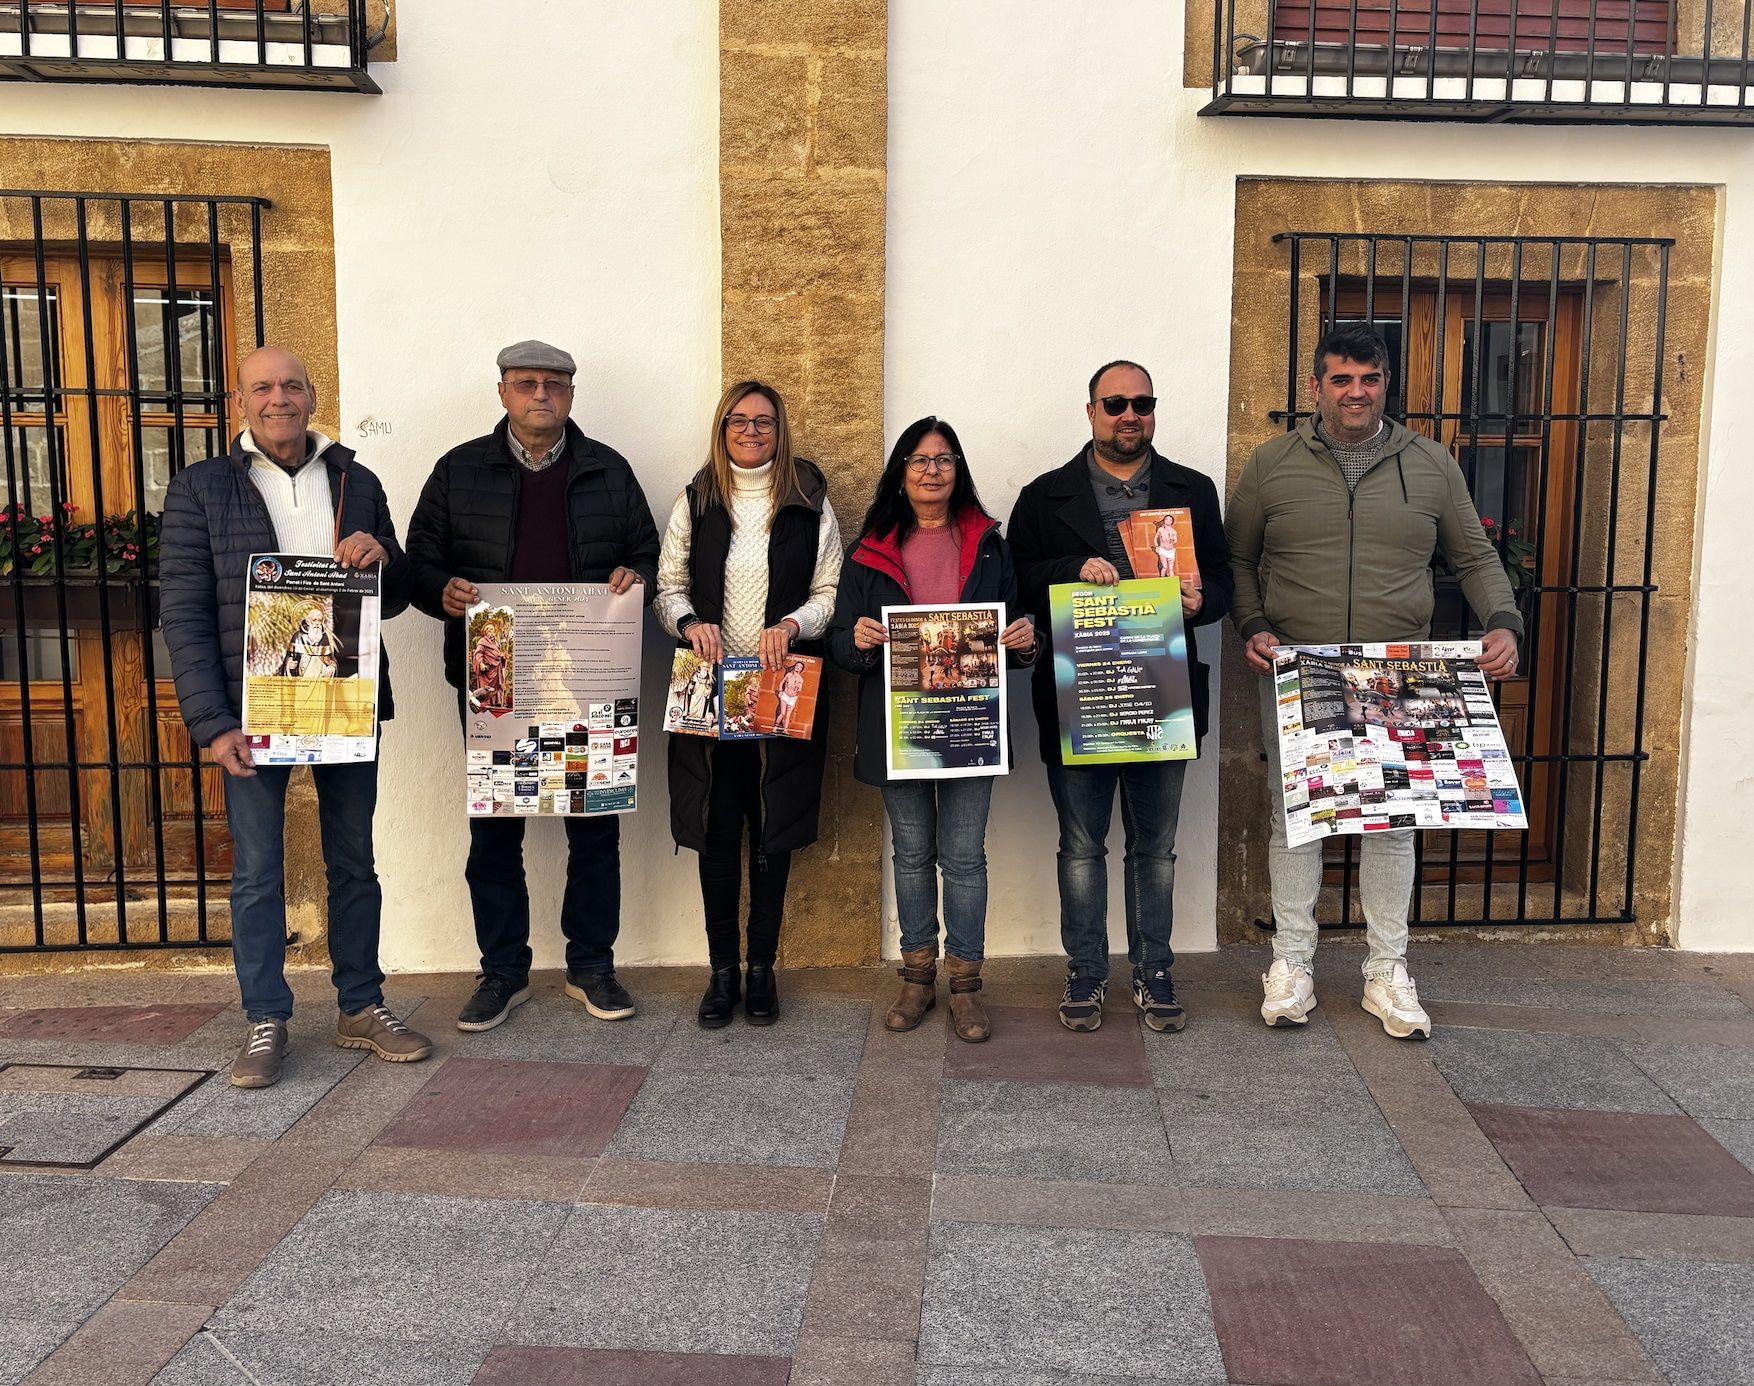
column 883, row 552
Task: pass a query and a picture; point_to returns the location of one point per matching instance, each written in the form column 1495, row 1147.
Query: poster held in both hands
column 944, row 692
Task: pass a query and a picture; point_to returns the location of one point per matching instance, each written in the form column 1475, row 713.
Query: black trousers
column 733, row 811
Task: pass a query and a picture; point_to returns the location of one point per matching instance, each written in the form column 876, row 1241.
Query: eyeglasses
column 919, row 464
column 763, row 424
column 1116, row 405
column 531, row 387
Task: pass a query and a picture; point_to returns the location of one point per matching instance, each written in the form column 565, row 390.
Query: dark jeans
column 255, row 812
column 1084, row 798
column 736, row 801
column 590, row 909
column 940, row 827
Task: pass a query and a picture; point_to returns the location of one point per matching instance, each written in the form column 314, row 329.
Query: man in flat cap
column 533, row 501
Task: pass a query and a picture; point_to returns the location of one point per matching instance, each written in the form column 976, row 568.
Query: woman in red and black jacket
column 926, row 539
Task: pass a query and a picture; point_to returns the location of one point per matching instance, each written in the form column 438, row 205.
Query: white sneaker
column 1290, row 994
column 1395, row 1001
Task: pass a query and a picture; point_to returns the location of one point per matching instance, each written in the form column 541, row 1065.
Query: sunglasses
column 1116, row 405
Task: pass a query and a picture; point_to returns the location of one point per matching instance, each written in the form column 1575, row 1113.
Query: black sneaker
column 604, row 997
column 1081, row 1006
column 492, row 1002
column 1154, row 995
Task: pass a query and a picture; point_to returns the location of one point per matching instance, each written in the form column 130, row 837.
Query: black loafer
column 761, row 1000
column 720, row 1001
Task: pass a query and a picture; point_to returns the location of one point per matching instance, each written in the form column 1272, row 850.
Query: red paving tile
column 542, row 1366
column 1029, row 1045
column 1306, row 1313
column 1631, row 1161
column 517, row 1107
column 117, row 1024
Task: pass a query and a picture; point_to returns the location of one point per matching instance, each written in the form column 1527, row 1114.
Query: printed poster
column 692, row 706
column 944, row 692
column 553, row 699
column 1160, row 543
column 739, row 700
column 1121, row 672
column 310, row 660
column 1376, row 737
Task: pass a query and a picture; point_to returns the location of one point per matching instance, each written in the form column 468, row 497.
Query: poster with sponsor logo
column 1121, row 672
column 552, row 724
column 1377, row 737
column 944, row 692
column 310, row 660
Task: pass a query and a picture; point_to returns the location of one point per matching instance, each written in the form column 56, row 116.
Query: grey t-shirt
column 1117, row 498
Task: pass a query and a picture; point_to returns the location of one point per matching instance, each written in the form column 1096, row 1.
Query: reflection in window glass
column 160, row 460
column 22, row 316
column 36, row 471
column 1500, row 355
column 42, row 656
column 177, row 340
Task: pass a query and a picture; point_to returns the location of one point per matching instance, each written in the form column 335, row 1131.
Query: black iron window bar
column 172, row 249
column 292, row 44
column 1597, row 773
column 1485, row 60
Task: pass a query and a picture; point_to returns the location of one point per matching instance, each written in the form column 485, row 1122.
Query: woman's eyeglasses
column 762, row 424
column 919, row 464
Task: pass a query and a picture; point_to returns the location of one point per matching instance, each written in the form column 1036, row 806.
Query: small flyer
column 1160, row 544
column 945, row 695
column 756, row 702
column 692, row 706
column 1121, row 672
column 310, row 660
column 553, row 698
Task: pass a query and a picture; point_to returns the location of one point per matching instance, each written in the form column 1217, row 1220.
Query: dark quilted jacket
column 467, row 514
column 214, row 519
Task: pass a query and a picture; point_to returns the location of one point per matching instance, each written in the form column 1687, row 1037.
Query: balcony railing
column 280, row 44
column 1618, row 61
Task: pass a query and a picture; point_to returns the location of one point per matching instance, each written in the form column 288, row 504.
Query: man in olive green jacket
column 1332, row 530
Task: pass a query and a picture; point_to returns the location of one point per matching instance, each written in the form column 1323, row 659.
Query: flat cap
column 535, row 356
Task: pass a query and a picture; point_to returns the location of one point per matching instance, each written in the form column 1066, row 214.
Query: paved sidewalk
column 1555, row 1189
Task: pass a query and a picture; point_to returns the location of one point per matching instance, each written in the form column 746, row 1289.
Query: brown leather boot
column 919, row 988
column 967, row 1014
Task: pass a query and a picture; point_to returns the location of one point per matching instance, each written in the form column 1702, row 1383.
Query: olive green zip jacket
column 1317, row 566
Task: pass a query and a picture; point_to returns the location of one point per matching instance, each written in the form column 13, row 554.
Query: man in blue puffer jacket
column 283, row 488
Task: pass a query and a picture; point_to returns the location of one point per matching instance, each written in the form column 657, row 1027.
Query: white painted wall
column 549, row 169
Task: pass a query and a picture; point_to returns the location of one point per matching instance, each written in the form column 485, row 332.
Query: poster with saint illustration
column 553, row 699
column 310, row 660
column 944, row 692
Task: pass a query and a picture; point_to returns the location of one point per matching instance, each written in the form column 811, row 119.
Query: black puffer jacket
column 214, row 519
column 468, row 513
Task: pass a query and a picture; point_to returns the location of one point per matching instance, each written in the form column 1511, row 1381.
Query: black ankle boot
column 720, row 1000
column 761, row 1000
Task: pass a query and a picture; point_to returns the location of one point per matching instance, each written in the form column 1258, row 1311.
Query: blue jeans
column 1084, row 796
column 940, row 826
column 255, row 812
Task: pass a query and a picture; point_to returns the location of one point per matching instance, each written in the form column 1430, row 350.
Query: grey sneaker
column 264, row 1050
column 1081, row 1006
column 378, row 1029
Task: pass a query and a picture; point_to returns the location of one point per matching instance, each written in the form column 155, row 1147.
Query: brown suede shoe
column 967, row 1015
column 376, row 1028
column 919, row 989
column 259, row 1058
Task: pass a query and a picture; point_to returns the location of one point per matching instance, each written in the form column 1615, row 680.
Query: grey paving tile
column 1108, row 1135
column 25, row 1342
column 68, row 1128
column 672, row 1279
column 735, row 1118
column 67, row 1244
column 979, row 1376
column 1227, row 1048
column 999, row 1299
column 231, row 1357
column 1513, row 1068
column 216, row 1108
column 1737, row 1137
column 814, row 1035
column 1706, row 1080
column 439, row 1269
column 551, row 1025
column 1614, row 996
column 1692, row 1317
column 1285, row 1139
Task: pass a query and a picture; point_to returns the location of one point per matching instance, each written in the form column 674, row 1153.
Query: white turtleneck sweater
column 299, row 501
column 746, row 566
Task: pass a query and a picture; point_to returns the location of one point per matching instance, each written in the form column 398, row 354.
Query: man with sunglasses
column 533, row 501
column 1068, row 527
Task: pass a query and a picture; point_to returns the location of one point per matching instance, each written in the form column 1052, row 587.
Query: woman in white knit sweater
column 749, row 565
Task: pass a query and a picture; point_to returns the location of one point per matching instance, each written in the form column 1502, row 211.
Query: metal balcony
column 296, row 45
column 1669, row 62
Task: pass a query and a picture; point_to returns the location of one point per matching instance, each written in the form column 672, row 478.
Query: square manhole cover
column 69, row 1115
